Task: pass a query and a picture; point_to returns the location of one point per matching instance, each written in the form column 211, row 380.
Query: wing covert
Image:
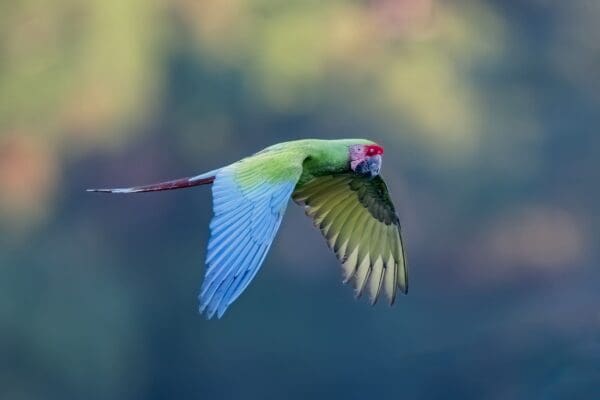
column 357, row 218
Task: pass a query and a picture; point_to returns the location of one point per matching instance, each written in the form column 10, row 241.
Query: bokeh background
column 489, row 112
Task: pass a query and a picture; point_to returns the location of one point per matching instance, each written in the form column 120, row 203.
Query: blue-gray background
column 489, row 113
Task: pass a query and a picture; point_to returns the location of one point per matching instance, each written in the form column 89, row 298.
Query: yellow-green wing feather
column 359, row 222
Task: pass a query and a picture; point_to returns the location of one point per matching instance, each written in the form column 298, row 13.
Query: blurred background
column 489, row 113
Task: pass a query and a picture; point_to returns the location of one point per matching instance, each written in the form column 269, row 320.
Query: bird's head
column 366, row 159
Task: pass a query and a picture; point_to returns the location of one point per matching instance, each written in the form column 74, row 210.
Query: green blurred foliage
column 69, row 66
column 91, row 73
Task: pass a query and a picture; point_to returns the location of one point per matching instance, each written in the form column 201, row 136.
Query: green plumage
column 315, row 157
column 353, row 212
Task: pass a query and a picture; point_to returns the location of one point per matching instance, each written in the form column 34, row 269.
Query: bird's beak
column 375, row 164
column 370, row 166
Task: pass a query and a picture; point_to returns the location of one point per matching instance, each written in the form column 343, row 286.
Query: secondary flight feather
column 339, row 185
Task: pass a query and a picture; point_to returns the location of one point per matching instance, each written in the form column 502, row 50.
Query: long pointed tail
column 204, row 179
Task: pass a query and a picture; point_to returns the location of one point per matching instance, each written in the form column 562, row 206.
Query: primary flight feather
column 337, row 182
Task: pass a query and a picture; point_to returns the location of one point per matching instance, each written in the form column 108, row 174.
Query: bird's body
column 338, row 183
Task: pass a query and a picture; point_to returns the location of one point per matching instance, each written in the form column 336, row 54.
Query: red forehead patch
column 373, row 150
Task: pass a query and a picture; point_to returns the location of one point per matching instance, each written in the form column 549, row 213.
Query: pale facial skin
column 366, row 159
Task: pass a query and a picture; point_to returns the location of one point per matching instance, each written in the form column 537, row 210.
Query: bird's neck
column 325, row 159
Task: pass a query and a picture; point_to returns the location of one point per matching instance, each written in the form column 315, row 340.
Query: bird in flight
column 338, row 184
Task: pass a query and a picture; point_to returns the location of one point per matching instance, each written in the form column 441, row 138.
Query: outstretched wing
column 358, row 219
column 250, row 198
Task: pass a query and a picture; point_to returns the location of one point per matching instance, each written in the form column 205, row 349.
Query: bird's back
column 316, row 156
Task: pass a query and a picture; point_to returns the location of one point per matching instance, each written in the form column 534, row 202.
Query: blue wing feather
column 243, row 227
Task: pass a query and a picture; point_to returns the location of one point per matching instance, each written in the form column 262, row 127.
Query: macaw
column 338, row 184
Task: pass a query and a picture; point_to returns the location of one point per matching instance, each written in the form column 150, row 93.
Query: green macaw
column 337, row 182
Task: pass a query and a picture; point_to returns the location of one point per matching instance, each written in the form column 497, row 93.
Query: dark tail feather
column 181, row 183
